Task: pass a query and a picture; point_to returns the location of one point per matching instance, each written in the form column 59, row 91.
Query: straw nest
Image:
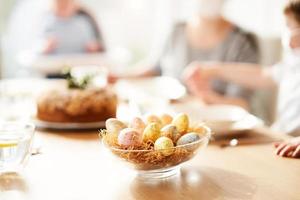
column 144, row 157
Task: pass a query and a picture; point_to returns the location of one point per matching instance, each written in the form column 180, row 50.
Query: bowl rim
column 207, row 136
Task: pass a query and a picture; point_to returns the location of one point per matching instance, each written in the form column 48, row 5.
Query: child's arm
column 204, row 92
column 247, row 75
column 289, row 149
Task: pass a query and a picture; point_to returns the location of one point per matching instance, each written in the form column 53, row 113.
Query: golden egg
column 201, row 129
column 151, row 132
column 153, row 119
column 171, row 132
column 181, row 121
column 138, row 124
column 114, row 126
column 166, row 119
column 164, row 145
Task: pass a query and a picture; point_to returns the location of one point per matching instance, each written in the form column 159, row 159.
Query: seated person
column 70, row 29
column 208, row 36
column 285, row 76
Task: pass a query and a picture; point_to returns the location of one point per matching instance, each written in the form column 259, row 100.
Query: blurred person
column 70, row 29
column 208, row 36
column 285, row 76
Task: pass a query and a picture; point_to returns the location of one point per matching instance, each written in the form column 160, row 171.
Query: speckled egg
column 200, row 129
column 165, row 145
column 188, row 138
column 181, row 121
column 166, row 119
column 171, row 132
column 137, row 124
column 129, row 137
column 153, row 119
column 151, row 132
column 114, row 126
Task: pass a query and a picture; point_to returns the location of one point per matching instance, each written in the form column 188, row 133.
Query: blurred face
column 64, row 8
column 293, row 35
column 211, row 8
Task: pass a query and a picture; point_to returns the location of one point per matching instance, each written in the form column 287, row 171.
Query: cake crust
column 77, row 105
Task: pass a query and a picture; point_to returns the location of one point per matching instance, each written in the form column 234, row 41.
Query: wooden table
column 74, row 166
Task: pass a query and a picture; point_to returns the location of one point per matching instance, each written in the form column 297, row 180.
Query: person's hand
column 50, row 45
column 288, row 149
column 197, row 78
column 112, row 79
column 93, row 47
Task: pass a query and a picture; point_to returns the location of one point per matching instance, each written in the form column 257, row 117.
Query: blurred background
column 144, row 26
column 136, row 31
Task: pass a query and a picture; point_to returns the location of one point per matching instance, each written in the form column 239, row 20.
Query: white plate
column 250, row 122
column 145, row 88
column 68, row 126
column 223, row 113
column 222, row 119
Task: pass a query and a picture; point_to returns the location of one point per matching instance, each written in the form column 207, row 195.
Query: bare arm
column 247, row 75
column 198, row 77
column 202, row 90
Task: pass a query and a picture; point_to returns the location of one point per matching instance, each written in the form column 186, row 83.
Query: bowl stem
column 159, row 174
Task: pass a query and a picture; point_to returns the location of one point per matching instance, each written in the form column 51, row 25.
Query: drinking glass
column 15, row 145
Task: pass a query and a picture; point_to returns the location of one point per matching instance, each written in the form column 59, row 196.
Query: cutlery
column 36, row 151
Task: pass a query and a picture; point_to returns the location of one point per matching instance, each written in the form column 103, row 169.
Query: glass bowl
column 153, row 164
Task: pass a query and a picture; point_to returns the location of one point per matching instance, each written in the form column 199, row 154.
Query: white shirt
column 287, row 75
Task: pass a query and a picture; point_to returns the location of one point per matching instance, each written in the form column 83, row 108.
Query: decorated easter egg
column 166, row 119
column 153, row 119
column 114, row 126
column 181, row 121
column 165, row 145
column 137, row 124
column 188, row 138
column 171, row 132
column 151, row 132
column 201, row 129
column 129, row 137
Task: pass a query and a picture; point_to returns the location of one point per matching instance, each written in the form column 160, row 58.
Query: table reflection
column 194, row 183
column 13, row 186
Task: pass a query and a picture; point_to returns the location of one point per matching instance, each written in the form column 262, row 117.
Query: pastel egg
column 151, row 132
column 166, row 119
column 188, row 138
column 129, row 137
column 165, row 145
column 181, row 121
column 137, row 124
column 200, row 129
column 171, row 132
column 153, row 119
column 114, row 126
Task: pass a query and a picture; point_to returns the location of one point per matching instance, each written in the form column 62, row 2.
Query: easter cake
column 71, row 103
